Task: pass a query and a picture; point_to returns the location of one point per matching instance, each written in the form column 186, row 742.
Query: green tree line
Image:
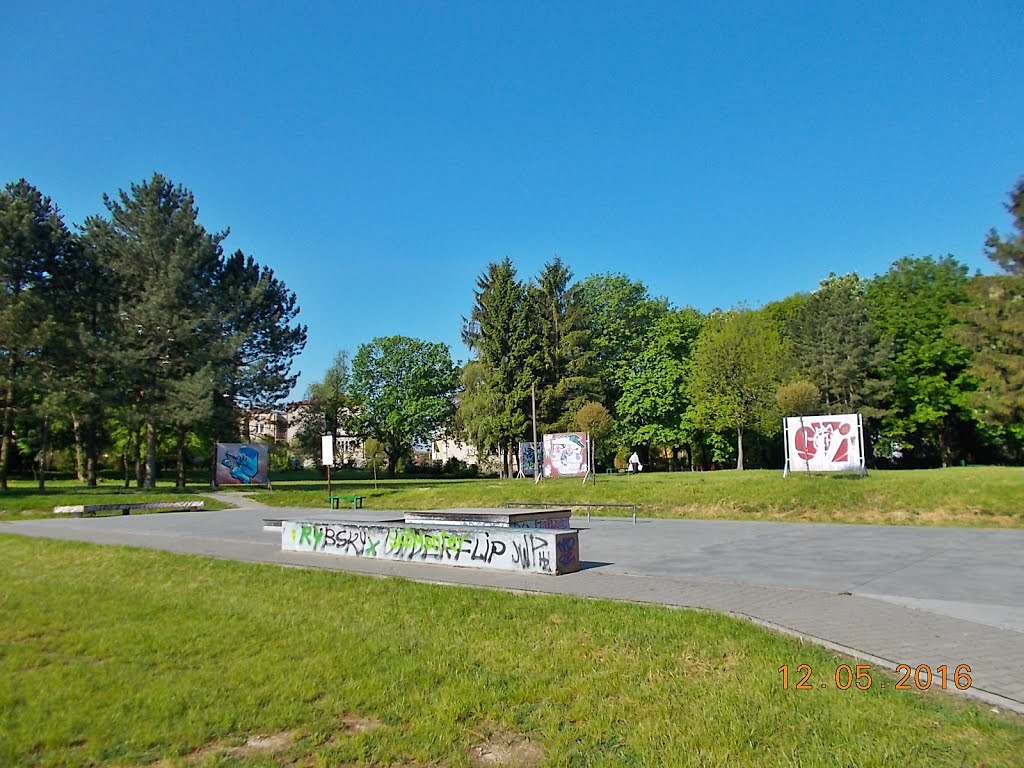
column 932, row 357
column 136, row 338
column 929, row 355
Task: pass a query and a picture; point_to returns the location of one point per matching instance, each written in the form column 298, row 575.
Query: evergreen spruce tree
column 34, row 246
column 500, row 332
column 994, row 325
column 258, row 314
column 565, row 376
column 171, row 348
column 837, row 347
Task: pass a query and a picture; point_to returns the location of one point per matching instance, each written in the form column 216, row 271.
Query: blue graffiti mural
column 530, row 455
column 240, row 463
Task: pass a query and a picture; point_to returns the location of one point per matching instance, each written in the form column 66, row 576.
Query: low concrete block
column 509, row 549
column 77, row 510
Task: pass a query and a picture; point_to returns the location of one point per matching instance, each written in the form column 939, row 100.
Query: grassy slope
column 114, row 656
column 982, row 496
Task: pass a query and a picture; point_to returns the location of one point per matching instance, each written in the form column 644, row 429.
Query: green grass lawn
column 963, row 496
column 124, row 657
column 24, row 501
column 971, row 496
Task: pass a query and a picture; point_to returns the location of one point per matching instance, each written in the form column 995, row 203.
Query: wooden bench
column 357, row 501
column 90, row 510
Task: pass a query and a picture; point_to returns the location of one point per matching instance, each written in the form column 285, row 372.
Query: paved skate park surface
column 891, row 595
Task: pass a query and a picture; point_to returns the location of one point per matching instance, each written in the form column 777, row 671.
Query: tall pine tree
column 34, row 246
column 165, row 266
column 994, row 324
column 837, row 347
column 501, row 333
column 565, row 376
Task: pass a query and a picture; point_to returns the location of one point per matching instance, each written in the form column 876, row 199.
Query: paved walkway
column 891, row 595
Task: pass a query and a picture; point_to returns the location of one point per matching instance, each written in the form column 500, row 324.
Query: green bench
column 357, row 501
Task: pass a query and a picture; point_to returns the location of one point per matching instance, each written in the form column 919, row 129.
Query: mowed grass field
column 24, row 501
column 112, row 656
column 963, row 496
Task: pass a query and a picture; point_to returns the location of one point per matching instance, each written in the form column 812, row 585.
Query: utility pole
column 533, row 407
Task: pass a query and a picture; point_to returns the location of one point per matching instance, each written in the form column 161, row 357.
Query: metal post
column 590, row 462
column 533, row 406
column 590, row 457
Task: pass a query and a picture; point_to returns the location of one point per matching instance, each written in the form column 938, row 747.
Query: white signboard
column 327, row 449
column 824, row 443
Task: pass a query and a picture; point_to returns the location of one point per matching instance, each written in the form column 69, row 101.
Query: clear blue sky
column 377, row 156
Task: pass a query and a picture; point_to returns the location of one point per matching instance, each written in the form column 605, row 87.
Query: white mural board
column 833, row 443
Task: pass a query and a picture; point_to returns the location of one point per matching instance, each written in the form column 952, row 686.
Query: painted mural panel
column 566, row 454
column 529, row 455
column 824, row 443
column 242, row 464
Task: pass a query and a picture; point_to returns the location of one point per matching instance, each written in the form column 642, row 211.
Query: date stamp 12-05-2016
column 858, row 677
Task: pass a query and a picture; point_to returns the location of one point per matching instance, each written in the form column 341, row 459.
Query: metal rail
column 552, row 504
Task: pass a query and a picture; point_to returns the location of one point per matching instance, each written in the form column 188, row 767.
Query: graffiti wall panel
column 566, row 454
column 530, row 454
column 824, row 443
column 242, row 464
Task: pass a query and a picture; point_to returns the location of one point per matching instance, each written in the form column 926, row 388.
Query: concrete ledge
column 548, row 519
column 498, row 548
column 77, row 510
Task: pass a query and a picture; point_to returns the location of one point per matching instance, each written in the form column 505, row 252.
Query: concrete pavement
column 891, row 595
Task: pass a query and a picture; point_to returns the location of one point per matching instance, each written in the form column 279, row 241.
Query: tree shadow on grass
column 366, row 486
column 100, row 490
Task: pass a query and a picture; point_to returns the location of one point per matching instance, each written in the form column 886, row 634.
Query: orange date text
column 858, row 676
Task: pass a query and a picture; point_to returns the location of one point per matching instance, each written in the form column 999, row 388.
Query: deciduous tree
column 329, row 406
column 652, row 407
column 476, row 418
column 799, row 398
column 405, row 390
column 621, row 313
column 735, row 372
column 913, row 307
column 594, row 419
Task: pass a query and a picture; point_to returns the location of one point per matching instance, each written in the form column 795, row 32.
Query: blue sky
column 377, row 156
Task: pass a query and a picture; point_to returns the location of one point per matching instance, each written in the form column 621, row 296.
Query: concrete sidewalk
column 891, row 595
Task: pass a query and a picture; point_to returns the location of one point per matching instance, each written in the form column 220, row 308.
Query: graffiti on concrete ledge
column 533, row 550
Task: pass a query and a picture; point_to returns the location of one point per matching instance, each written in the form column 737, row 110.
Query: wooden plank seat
column 125, row 508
